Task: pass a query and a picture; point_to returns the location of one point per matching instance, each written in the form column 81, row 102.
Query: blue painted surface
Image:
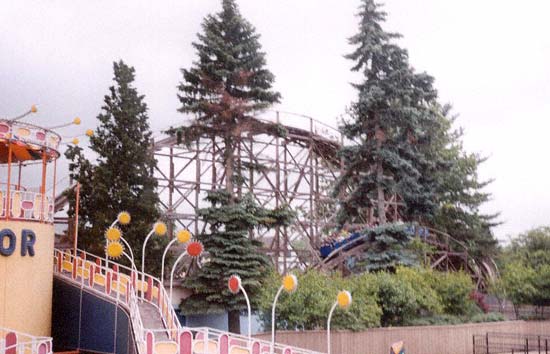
column 85, row 321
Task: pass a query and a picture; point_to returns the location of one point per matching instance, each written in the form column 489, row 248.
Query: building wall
column 26, row 282
column 456, row 339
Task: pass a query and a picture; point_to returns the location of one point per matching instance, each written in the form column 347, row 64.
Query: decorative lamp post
column 194, row 249
column 289, row 284
column 182, row 237
column 159, row 229
column 343, row 300
column 113, row 233
column 234, row 284
column 115, row 250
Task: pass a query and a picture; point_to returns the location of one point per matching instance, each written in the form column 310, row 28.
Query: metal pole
column 273, row 319
column 8, row 189
column 164, row 258
column 77, row 207
column 249, row 312
column 172, row 273
column 43, row 186
column 328, row 325
column 143, row 262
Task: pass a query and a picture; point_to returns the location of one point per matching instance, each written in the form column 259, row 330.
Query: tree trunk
column 229, row 162
column 381, row 198
column 234, row 321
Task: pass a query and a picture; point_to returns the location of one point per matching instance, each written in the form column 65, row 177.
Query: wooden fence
column 456, row 339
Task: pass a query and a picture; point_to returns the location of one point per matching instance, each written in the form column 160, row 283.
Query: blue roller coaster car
column 327, row 249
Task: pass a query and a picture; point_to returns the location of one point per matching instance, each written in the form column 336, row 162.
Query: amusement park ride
column 72, row 300
column 298, row 169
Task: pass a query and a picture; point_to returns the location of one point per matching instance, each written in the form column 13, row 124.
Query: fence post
column 546, row 346
column 526, row 345
column 474, row 343
column 538, row 338
column 487, row 342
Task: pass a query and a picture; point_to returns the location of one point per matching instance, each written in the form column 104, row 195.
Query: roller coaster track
column 448, row 254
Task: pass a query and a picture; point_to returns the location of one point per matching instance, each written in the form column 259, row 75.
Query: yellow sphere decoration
column 75, row 141
column 124, row 218
column 183, row 236
column 89, row 133
column 160, row 228
column 34, row 109
column 76, row 121
column 290, row 283
column 344, row 299
column 114, row 249
column 113, row 234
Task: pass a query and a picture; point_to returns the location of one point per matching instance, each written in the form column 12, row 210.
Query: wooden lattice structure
column 297, row 169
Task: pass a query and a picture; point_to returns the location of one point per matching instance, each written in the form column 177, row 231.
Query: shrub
column 454, row 289
column 309, row 306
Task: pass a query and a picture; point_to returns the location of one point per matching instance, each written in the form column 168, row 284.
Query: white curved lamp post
column 122, row 218
column 235, row 285
column 193, row 249
column 158, row 229
column 343, row 300
column 290, row 283
column 183, row 236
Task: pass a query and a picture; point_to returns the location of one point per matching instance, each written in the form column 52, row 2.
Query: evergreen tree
column 391, row 122
column 121, row 178
column 227, row 83
column 230, row 251
column 391, row 125
column 460, row 193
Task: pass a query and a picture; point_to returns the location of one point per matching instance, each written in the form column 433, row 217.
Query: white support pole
column 273, row 319
column 249, row 312
column 143, row 262
column 164, row 258
column 106, row 243
column 172, row 273
column 328, row 325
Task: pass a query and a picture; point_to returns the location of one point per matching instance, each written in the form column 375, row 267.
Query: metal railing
column 13, row 342
column 30, row 134
column 26, row 205
column 509, row 343
column 129, row 287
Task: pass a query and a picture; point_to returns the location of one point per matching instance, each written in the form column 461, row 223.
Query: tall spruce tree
column 391, row 125
column 227, row 83
column 460, row 192
column 121, row 177
column 391, row 122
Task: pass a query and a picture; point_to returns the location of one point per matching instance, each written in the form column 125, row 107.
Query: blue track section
column 85, row 321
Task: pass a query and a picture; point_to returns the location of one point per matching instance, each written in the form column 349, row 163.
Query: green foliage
column 517, row 284
column 308, row 307
column 410, row 296
column 227, row 83
column 390, row 122
column 389, row 247
column 525, row 265
column 230, row 251
column 459, row 192
column 454, row 289
column 403, row 143
column 121, row 178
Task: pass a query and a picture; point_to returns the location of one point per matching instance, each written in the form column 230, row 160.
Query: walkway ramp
column 152, row 321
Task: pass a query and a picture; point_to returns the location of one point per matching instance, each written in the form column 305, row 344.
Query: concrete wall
column 26, row 282
column 418, row 340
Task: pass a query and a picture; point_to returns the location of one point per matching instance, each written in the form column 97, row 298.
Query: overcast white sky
column 490, row 58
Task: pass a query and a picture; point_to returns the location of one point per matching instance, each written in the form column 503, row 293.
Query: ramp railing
column 13, row 342
column 131, row 288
